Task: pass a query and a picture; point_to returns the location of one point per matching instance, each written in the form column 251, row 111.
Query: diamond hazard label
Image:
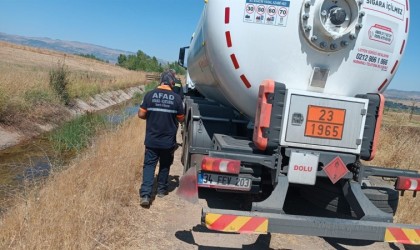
column 336, row 169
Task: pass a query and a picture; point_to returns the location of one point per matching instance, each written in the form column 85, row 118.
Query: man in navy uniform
column 162, row 109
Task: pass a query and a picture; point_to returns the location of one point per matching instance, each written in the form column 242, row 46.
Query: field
column 406, row 102
column 25, row 93
column 93, row 202
column 399, row 147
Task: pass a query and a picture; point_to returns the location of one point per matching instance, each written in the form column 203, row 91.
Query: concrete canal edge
column 10, row 136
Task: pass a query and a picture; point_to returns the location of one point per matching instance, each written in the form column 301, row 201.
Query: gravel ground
column 172, row 223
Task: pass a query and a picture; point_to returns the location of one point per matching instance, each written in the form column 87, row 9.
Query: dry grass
column 402, row 119
column 24, row 79
column 84, row 206
column 399, row 147
column 94, row 202
column 24, row 68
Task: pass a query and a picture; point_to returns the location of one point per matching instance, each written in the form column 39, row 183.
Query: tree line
column 142, row 61
column 92, row 56
column 402, row 107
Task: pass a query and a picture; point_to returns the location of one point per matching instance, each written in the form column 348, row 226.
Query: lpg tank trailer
column 288, row 112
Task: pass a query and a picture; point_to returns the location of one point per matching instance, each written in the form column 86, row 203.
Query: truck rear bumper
column 259, row 222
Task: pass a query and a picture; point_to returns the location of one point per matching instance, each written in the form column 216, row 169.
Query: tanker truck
column 286, row 114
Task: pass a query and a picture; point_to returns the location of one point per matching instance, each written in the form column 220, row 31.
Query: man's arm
column 142, row 113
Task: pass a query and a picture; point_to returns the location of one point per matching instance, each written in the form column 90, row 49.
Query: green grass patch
column 151, row 86
column 3, row 102
column 84, row 91
column 138, row 96
column 76, row 134
column 38, row 96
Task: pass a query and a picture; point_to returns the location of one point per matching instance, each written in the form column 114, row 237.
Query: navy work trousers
column 151, row 157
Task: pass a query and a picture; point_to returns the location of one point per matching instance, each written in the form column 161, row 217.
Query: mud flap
column 188, row 189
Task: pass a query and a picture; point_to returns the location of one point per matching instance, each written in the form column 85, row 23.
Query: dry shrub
column 84, row 206
column 399, row 147
column 59, row 81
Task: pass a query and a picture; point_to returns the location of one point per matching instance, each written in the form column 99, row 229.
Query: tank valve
column 337, row 16
column 332, row 22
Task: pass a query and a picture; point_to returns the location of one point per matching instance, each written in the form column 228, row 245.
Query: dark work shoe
column 162, row 194
column 145, row 201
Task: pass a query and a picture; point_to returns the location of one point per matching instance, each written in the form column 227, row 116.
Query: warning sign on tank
column 392, row 8
column 269, row 12
column 381, row 34
column 372, row 58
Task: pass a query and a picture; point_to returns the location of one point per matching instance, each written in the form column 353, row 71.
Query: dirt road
column 172, row 223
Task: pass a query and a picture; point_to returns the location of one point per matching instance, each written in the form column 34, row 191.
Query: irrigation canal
column 25, row 164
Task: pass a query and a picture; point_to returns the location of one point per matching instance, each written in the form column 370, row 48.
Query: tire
column 327, row 196
column 386, row 199
column 330, row 197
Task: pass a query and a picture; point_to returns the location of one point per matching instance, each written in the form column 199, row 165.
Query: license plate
column 224, row 181
column 325, row 123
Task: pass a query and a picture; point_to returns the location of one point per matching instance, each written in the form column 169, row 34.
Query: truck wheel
column 386, row 199
column 330, row 197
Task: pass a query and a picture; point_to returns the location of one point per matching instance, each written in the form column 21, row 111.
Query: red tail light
column 406, row 183
column 220, row 165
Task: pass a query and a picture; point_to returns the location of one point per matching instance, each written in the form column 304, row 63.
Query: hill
column 402, row 95
column 70, row 47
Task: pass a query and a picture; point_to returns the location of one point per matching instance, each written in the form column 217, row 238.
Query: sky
column 157, row 27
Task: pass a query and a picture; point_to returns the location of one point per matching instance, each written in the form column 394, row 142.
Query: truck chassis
column 221, row 132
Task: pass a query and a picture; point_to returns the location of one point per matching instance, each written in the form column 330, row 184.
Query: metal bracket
column 275, row 202
column 361, row 205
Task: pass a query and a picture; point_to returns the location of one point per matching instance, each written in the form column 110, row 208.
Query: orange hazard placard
column 324, row 122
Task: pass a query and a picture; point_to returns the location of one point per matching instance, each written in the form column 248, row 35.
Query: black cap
column 167, row 80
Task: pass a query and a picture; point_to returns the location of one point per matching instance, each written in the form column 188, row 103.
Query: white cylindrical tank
column 344, row 47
